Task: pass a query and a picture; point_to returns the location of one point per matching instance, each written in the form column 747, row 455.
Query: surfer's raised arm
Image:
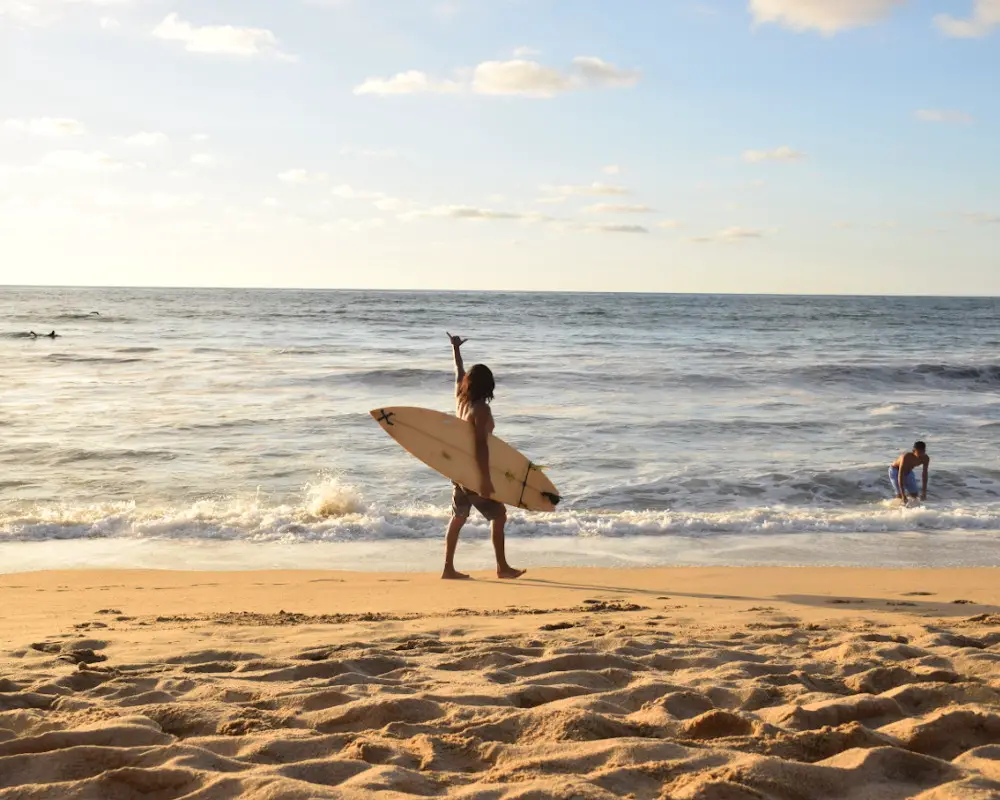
column 456, row 347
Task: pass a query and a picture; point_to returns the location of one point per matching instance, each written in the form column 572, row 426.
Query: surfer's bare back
column 473, row 395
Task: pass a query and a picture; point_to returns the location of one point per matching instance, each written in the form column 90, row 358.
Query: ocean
column 229, row 428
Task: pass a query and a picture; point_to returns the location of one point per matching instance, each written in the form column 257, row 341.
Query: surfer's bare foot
column 509, row 573
column 454, row 575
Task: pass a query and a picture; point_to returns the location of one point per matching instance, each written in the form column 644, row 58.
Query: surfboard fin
column 552, row 498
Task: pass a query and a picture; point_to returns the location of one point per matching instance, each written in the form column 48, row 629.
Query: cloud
column 943, row 115
column 984, row 219
column 473, row 213
column 783, row 153
column 110, row 24
column 826, row 16
column 553, row 200
column 616, row 208
column 411, row 82
column 219, row 39
column 595, row 189
column 669, row 224
column 612, row 228
column 517, row 77
column 379, row 200
column 301, row 176
column 45, row 12
column 526, row 52
column 83, row 161
column 611, row 169
column 51, row 127
column 985, row 17
column 730, row 235
column 203, row 160
column 145, row 139
column 200, row 137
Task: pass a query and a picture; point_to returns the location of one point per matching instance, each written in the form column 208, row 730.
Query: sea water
column 230, row 428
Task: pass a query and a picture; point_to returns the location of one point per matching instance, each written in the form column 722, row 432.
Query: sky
column 753, row 146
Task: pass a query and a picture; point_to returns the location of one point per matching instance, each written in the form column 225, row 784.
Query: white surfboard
column 446, row 443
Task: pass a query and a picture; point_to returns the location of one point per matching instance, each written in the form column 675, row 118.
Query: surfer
column 473, row 394
column 902, row 475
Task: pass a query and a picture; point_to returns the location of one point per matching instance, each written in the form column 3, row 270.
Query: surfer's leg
column 450, row 545
column 460, row 508
column 497, row 522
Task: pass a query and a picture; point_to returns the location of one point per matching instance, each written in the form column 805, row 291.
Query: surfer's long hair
column 477, row 386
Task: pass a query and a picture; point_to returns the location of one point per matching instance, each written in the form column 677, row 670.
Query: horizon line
column 503, row 291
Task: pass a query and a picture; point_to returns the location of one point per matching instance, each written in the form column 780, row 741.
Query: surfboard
column 446, row 444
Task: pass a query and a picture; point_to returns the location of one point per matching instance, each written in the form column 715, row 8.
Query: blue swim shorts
column 910, row 481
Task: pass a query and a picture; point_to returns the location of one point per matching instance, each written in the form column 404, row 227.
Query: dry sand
column 717, row 684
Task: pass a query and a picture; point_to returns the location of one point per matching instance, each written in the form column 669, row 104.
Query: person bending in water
column 473, row 394
column 902, row 474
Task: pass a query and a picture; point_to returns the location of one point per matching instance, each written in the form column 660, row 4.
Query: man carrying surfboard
column 473, row 394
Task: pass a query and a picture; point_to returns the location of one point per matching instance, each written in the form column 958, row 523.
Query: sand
column 707, row 684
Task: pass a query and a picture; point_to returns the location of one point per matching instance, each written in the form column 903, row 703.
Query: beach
column 709, row 683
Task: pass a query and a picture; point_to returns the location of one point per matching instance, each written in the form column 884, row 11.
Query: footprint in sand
column 918, row 594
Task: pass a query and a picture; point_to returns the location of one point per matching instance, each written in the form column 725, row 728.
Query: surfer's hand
column 487, row 490
column 457, row 341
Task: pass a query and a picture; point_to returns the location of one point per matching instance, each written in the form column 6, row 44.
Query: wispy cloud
column 611, row 169
column 983, row 218
column 614, row 228
column 473, row 213
column 380, row 200
column 730, row 235
column 943, row 115
column 204, row 160
column 45, row 12
column 85, row 161
column 301, row 176
column 526, row 52
column 226, row 40
column 50, row 127
column 783, row 153
column 985, row 17
column 826, row 16
column 518, row 77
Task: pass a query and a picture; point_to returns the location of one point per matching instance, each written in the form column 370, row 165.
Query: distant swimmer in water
column 902, row 473
column 52, row 335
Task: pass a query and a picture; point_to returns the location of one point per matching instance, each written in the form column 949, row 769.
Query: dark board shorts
column 463, row 501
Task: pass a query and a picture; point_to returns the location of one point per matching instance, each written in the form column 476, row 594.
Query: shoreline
column 889, row 550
